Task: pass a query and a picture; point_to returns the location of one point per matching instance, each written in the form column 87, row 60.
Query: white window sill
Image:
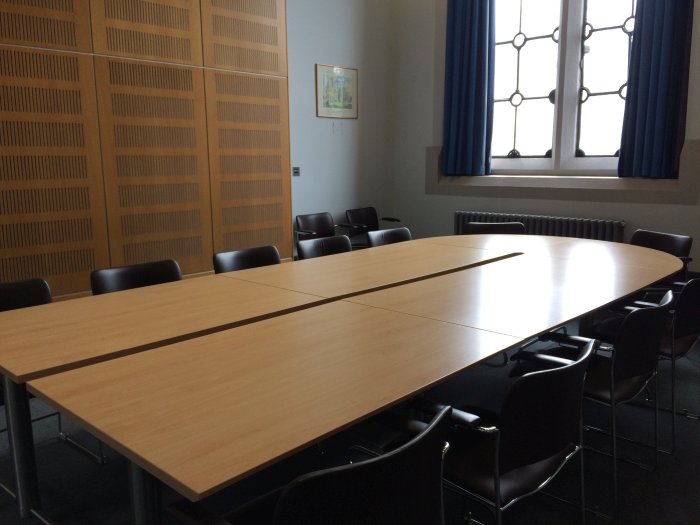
column 685, row 190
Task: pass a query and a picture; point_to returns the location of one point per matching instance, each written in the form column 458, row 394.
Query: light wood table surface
column 259, row 392
column 205, row 412
column 526, row 295
column 360, row 271
column 51, row 338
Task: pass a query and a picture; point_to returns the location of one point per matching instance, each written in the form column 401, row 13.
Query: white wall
column 344, row 163
column 380, row 158
column 419, row 75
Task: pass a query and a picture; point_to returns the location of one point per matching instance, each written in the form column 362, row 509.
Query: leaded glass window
column 560, row 82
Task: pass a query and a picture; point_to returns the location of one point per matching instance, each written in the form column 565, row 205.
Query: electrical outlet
column 296, row 171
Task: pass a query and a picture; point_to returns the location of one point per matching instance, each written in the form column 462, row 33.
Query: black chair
column 498, row 458
column 678, row 245
column 119, row 278
column 632, row 363
column 394, row 235
column 315, row 225
column 323, row 246
column 244, row 259
column 363, row 220
column 471, row 228
column 401, row 487
column 680, row 337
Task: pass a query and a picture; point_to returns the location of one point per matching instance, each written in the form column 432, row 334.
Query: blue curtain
column 653, row 129
column 469, row 73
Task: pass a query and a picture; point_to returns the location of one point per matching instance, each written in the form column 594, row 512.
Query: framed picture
column 336, row 91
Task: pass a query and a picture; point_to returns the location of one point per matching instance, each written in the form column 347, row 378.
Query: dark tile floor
column 77, row 491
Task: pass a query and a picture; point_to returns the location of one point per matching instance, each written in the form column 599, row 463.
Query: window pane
column 503, row 125
column 601, row 124
column 540, row 17
column 605, row 63
column 507, row 19
column 534, row 128
column 538, row 68
column 506, row 71
column 604, row 13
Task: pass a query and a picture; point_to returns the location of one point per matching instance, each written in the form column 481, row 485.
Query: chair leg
column 673, row 405
column 613, row 426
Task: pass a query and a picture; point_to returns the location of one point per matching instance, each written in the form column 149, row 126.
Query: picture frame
column 336, row 91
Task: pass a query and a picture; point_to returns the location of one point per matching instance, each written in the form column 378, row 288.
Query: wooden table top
column 51, row 338
column 205, row 412
column 202, row 413
column 359, row 271
column 521, row 296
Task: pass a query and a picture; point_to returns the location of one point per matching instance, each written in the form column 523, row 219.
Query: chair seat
column 471, row 467
column 597, row 385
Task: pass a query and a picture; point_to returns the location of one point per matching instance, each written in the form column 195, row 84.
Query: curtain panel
column 653, row 129
column 469, row 78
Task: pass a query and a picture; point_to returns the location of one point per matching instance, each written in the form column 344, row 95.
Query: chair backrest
column 391, row 236
column 244, row 259
column 541, row 413
column 23, row 294
column 678, row 245
column 493, row 227
column 323, row 246
column 119, row 278
column 686, row 318
column 403, row 486
column 365, row 217
column 639, row 339
column 321, row 224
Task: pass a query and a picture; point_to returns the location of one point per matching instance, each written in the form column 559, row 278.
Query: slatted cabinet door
column 52, row 24
column 164, row 30
column 52, row 215
column 156, row 169
column 245, row 35
column 249, row 153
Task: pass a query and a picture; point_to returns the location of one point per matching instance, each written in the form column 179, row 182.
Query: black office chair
column 678, row 245
column 383, row 237
column 119, row 278
column 498, row 458
column 471, row 228
column 323, row 246
column 315, row 225
column 363, row 220
column 401, row 487
column 633, row 362
column 244, row 259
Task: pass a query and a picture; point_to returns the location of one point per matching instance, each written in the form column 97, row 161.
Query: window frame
column 563, row 161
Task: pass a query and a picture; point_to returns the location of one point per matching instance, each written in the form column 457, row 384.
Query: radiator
column 601, row 229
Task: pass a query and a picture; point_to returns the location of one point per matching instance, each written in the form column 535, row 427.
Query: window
column 560, row 85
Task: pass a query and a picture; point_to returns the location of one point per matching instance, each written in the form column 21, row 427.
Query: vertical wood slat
column 164, row 30
column 152, row 117
column 248, row 121
column 245, row 35
column 52, row 215
column 53, row 24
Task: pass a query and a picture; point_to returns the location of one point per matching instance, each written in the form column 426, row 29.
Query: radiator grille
column 583, row 228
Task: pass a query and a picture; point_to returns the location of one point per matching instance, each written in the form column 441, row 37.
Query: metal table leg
column 19, row 429
column 145, row 497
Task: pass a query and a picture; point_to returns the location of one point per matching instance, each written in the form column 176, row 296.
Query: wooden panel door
column 53, row 24
column 167, row 30
column 52, row 215
column 245, row 35
column 153, row 123
column 248, row 121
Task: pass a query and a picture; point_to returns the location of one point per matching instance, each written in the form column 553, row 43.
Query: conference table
column 315, row 347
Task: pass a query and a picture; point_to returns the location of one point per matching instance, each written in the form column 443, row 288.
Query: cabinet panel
column 248, row 125
column 154, row 140
column 245, row 35
column 167, row 30
column 52, row 215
